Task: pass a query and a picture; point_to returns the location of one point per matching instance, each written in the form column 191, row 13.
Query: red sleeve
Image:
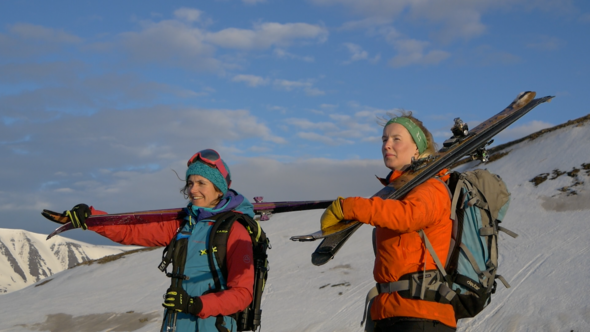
column 240, row 279
column 157, row 234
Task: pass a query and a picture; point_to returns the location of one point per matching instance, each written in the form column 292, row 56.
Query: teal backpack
column 479, row 202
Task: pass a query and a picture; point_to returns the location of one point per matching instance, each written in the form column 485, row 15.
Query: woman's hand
column 178, row 299
column 78, row 215
column 333, row 214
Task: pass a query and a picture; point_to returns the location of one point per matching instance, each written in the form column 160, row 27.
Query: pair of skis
column 263, row 209
column 464, row 142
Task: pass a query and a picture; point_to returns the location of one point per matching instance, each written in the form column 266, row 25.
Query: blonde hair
column 431, row 146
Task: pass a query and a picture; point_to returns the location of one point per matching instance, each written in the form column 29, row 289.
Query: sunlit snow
column 547, row 266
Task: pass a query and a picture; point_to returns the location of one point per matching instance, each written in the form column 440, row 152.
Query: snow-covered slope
column 26, row 257
column 548, row 265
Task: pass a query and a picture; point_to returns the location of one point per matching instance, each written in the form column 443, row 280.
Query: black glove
column 178, row 299
column 78, row 215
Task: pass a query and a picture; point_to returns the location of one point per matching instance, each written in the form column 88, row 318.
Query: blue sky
column 100, row 100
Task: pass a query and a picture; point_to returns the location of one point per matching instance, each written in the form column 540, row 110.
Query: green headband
column 415, row 131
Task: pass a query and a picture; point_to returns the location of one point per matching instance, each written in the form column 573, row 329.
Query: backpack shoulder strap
column 217, row 246
column 169, row 249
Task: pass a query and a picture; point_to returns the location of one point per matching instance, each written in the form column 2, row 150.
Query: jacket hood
column 232, row 200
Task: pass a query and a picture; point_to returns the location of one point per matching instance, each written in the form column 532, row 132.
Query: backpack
column 249, row 319
column 479, row 202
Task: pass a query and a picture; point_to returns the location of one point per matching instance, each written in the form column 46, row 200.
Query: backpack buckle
column 420, row 282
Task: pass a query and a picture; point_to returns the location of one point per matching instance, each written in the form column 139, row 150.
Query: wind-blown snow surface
column 26, row 257
column 548, row 265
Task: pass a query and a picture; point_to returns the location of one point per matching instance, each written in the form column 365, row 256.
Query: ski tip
column 319, row 259
column 55, row 217
column 524, row 98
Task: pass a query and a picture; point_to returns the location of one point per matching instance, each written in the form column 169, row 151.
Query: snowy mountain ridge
column 547, row 266
column 26, row 257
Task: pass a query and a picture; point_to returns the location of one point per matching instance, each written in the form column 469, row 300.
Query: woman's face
column 202, row 192
column 398, row 147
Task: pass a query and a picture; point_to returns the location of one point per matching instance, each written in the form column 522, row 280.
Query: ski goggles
column 211, row 158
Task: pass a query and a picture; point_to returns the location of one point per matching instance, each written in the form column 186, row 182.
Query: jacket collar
column 443, row 175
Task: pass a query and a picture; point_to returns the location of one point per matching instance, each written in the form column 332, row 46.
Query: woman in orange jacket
column 400, row 251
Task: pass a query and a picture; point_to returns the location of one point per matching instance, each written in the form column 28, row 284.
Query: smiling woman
column 194, row 302
column 400, row 254
column 207, row 179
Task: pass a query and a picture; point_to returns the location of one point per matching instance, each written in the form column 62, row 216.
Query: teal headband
column 415, row 131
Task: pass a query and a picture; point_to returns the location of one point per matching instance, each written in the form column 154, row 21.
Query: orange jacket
column 400, row 249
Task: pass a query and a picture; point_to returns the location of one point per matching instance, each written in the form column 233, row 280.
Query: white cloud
column 487, row 55
column 456, row 21
column 340, row 117
column 178, row 42
column 250, row 80
column 367, row 23
column 281, row 53
column 172, row 42
column 40, row 33
column 323, row 139
column 268, row 177
column 328, row 106
column 371, row 113
column 412, row 52
column 339, row 130
column 290, row 85
column 249, row 126
column 371, row 139
column 547, row 43
column 266, row 35
column 253, row 2
column 259, row 149
column 356, row 53
column 308, row 125
column 371, row 8
column 280, row 109
column 314, row 92
column 449, row 20
column 306, row 86
column 188, row 14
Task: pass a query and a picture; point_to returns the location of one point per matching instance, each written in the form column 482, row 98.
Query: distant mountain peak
column 26, row 257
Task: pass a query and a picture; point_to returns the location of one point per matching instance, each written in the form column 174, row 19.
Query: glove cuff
column 339, row 210
column 195, row 305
